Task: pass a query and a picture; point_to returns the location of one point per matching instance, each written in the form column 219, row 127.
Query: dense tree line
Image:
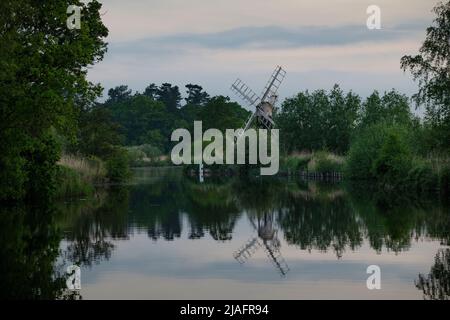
column 380, row 136
column 149, row 117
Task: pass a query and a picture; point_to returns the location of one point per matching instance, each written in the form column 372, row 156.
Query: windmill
column 267, row 238
column 265, row 104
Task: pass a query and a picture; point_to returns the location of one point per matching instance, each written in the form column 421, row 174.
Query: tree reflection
column 211, row 206
column 436, row 284
column 28, row 254
column 308, row 215
column 88, row 228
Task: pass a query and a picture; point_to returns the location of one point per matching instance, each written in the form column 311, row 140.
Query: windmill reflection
column 267, row 238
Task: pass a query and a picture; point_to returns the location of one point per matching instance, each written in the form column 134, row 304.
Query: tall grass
column 91, row 169
column 72, row 184
column 325, row 162
column 320, row 162
column 77, row 175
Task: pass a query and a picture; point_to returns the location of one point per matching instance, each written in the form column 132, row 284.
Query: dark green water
column 168, row 236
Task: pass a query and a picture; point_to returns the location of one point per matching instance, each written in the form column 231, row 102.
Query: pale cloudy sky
column 213, row 42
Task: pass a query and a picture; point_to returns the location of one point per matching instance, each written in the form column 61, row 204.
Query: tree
column 151, row 91
column 220, row 113
column 170, row 96
column 340, row 119
column 382, row 152
column 43, row 67
column 393, row 161
column 137, row 116
column 119, row 94
column 392, row 108
column 318, row 120
column 371, row 111
column 300, row 121
column 196, row 95
column 98, row 134
column 431, row 67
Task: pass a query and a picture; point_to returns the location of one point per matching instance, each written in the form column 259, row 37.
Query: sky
column 213, row 42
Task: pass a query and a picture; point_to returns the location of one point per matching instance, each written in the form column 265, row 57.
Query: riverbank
column 77, row 176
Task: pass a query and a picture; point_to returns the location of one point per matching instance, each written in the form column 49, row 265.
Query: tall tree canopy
column 431, row 67
column 196, row 95
column 318, row 120
column 43, row 67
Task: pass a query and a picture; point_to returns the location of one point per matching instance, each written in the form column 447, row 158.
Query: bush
column 145, row 155
column 375, row 153
column 90, row 168
column 151, row 151
column 393, row 161
column 117, row 166
column 136, row 157
column 364, row 149
column 422, row 177
column 71, row 183
column 324, row 162
column 295, row 162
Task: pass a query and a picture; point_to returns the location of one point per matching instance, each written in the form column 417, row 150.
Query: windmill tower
column 264, row 104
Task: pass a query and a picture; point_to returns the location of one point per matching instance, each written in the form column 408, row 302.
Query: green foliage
column 43, row 67
column 151, row 117
column 393, row 161
column 318, row 120
column 328, row 120
column 392, row 108
column 119, row 94
column 138, row 117
column 323, row 162
column 422, row 177
column 98, row 134
column 117, row 166
column 220, row 113
column 72, row 184
column 144, row 155
column 364, row 149
column 196, row 95
column 444, row 180
column 295, row 162
column 170, row 96
column 12, row 169
column 431, row 68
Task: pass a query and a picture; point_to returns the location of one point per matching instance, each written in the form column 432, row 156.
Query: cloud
column 269, row 37
column 137, row 19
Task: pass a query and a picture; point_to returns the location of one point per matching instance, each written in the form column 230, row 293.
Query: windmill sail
column 243, row 254
column 241, row 89
column 271, row 88
column 274, row 254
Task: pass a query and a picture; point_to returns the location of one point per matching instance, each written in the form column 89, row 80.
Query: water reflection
column 29, row 249
column 37, row 243
column 436, row 284
column 267, row 238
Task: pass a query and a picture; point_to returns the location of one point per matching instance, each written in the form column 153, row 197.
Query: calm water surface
column 169, row 236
